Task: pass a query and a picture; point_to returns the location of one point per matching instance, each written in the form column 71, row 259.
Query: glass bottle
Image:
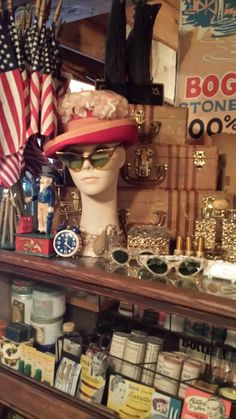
column 70, row 343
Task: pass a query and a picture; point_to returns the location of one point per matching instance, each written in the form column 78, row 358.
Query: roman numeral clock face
column 67, row 243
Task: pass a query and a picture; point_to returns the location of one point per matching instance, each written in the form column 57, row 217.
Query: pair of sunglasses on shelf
column 98, row 158
column 159, row 266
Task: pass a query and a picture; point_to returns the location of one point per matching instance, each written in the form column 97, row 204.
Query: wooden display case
column 35, row 400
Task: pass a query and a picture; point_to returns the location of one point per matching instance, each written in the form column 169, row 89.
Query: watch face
column 66, row 243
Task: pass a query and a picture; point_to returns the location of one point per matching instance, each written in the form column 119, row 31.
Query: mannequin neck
column 99, row 211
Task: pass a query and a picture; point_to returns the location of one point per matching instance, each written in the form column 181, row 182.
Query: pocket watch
column 67, row 243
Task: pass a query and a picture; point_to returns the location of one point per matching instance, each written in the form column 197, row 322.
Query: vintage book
column 202, row 405
column 165, row 166
column 182, row 208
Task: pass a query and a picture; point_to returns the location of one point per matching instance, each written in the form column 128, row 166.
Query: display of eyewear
column 184, row 266
column 75, row 160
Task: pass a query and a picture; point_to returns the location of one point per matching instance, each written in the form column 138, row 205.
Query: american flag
column 16, row 39
column 48, row 121
column 12, row 120
column 35, row 88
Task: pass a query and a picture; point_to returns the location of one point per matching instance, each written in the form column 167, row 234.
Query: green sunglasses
column 123, row 256
column 98, row 158
column 184, row 266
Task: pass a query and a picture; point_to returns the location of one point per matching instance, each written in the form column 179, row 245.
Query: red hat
column 93, row 117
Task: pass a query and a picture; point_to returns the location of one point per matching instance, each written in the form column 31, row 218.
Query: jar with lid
column 21, row 300
column 70, row 343
column 48, row 302
column 229, row 236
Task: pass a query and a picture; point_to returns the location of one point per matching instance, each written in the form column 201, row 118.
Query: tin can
column 134, row 353
column 169, row 368
column 191, row 370
column 154, row 345
column 117, row 350
column 21, row 300
column 48, row 302
column 47, row 331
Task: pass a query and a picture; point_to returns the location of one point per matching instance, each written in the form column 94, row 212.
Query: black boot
column 114, row 69
column 139, row 43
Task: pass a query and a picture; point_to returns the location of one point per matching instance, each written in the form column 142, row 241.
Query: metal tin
column 47, row 331
column 191, row 370
column 170, row 367
column 48, row 302
column 117, row 350
column 134, row 353
column 154, row 345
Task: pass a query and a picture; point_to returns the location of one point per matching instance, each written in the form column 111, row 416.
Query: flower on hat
column 102, row 104
column 93, row 117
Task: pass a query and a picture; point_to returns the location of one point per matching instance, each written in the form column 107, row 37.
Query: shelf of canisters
column 220, row 311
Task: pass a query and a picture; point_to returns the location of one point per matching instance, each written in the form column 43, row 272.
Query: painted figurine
column 46, row 200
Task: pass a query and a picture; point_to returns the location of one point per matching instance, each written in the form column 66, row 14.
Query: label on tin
column 18, row 311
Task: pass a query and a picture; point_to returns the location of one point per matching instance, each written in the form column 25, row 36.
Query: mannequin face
column 90, row 180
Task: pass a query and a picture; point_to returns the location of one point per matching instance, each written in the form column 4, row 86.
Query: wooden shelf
column 196, row 305
column 35, row 400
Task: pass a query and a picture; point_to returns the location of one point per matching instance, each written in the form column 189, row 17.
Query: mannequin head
column 96, row 131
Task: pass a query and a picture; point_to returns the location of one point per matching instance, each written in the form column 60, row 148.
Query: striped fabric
column 12, row 121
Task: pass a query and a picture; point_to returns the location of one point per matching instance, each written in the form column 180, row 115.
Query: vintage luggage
column 182, row 207
column 179, row 167
column 171, row 122
column 226, row 144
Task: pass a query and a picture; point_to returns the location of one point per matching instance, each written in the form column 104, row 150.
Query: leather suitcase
column 166, row 166
column 172, row 122
column 182, row 208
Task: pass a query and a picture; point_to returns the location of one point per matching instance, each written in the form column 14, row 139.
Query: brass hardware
column 143, row 162
column 160, row 175
column 199, row 159
column 146, row 131
column 71, row 207
column 143, row 171
column 138, row 116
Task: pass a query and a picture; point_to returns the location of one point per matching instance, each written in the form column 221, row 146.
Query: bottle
column 70, row 343
column 38, row 375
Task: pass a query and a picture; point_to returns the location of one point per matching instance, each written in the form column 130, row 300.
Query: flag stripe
column 12, row 127
column 48, row 114
column 34, row 103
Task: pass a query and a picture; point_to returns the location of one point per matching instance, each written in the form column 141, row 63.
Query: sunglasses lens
column 100, row 159
column 157, row 266
column 73, row 163
column 189, row 267
column 120, row 256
